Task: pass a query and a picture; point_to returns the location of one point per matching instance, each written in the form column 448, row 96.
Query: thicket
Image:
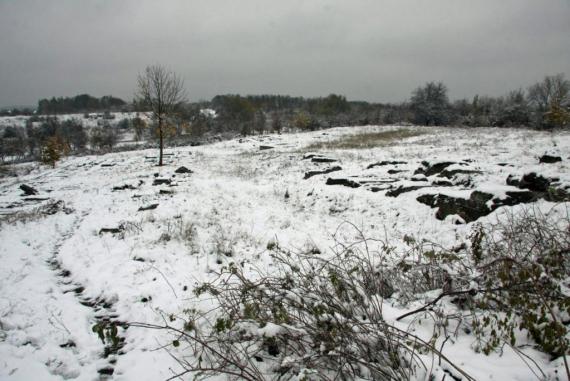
column 317, row 316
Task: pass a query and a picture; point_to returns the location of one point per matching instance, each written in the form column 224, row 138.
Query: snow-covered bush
column 523, row 269
column 312, row 317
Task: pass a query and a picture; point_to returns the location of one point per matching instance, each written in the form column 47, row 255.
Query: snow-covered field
column 60, row 274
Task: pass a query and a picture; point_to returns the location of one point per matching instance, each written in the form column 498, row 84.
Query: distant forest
column 80, row 103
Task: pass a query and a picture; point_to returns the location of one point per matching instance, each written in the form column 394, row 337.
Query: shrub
column 312, row 317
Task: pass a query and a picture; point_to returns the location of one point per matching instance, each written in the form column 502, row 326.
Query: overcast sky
column 376, row 50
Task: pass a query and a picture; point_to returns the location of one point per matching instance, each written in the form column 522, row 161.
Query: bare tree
column 161, row 91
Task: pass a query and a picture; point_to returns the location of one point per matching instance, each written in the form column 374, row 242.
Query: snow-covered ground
column 228, row 209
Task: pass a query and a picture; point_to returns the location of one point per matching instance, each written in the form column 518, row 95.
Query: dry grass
column 365, row 140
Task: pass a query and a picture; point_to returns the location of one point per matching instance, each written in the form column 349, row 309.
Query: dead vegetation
column 365, row 140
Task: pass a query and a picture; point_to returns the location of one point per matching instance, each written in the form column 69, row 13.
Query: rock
column 148, row 207
column 442, row 183
column 165, row 191
column 117, row 230
column 261, row 148
column 383, row 163
column 534, row 182
column 431, row 170
column 513, row 181
column 548, row 159
column 159, row 181
column 345, row 182
column 28, row 190
column 309, row 156
column 515, row 198
column 418, row 177
column 108, row 165
column 321, row 159
column 395, row 171
column 183, row 169
column 36, row 198
column 402, row 189
column 468, row 209
column 452, row 173
column 325, row 171
column 123, row 187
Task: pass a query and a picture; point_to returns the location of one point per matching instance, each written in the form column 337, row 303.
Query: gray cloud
column 377, row 50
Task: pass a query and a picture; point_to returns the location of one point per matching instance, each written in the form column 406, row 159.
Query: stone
column 183, row 169
column 148, row 207
column 28, row 190
column 325, row 171
column 548, row 159
column 534, row 182
column 346, row 182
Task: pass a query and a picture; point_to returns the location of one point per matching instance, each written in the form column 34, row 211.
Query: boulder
column 469, row 209
column 325, row 171
column 159, row 181
column 148, row 207
column 183, row 169
column 534, row 182
column 346, row 182
column 402, row 189
column 28, row 190
column 385, row 162
column 548, row 159
column 322, row 159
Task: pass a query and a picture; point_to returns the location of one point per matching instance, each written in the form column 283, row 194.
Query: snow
column 228, row 210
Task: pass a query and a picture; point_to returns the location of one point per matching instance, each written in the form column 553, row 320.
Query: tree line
column 80, row 103
column 543, row 105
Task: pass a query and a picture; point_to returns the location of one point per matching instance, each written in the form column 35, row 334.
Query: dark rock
column 158, row 181
column 345, row 182
column 468, row 209
column 117, row 230
column 513, row 181
column 534, row 182
column 183, row 169
column 436, row 168
column 442, row 183
column 385, row 162
column 148, row 207
column 505, row 165
column 402, row 189
column 379, row 188
column 320, row 159
column 395, row 171
column 28, row 190
column 123, row 187
column 165, row 191
column 325, row 171
column 452, row 173
column 108, row 164
column 36, row 198
column 106, row 371
column 515, row 198
column 548, row 159
column 261, row 148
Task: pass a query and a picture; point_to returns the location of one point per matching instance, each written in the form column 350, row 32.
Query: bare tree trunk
column 160, row 142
